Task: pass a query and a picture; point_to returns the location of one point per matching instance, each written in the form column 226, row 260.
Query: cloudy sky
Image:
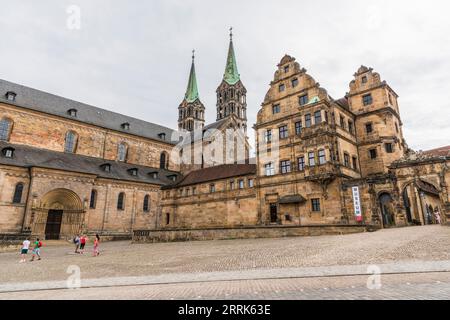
column 133, row 57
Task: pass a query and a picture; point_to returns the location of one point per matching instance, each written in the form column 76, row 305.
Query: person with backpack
column 37, row 250
column 76, row 241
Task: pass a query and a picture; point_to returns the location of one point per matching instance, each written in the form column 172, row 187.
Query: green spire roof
column 192, row 89
column 231, row 75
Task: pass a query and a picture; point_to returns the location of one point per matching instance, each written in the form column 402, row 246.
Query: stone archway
column 387, row 209
column 59, row 214
column 418, row 196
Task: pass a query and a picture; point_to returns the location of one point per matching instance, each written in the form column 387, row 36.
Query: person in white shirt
column 24, row 251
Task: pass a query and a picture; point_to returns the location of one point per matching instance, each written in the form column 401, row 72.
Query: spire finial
column 193, row 55
column 231, row 33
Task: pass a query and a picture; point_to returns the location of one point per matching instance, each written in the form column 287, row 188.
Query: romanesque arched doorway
column 60, row 213
column 387, row 210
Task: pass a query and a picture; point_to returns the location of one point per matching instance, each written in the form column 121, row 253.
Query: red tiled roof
column 439, row 152
column 343, row 102
column 217, row 173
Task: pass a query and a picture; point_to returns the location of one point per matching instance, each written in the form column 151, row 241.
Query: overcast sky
column 133, row 57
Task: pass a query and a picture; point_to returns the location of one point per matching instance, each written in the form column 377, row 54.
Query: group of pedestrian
column 79, row 241
column 36, row 250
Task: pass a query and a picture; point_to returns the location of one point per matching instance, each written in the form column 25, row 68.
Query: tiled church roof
column 216, row 173
column 55, row 105
column 439, row 152
column 27, row 157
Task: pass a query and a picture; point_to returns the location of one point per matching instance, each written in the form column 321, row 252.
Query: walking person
column 96, row 245
column 437, row 214
column 37, row 250
column 24, row 250
column 76, row 241
column 83, row 241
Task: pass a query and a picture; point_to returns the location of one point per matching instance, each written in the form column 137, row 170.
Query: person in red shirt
column 83, row 241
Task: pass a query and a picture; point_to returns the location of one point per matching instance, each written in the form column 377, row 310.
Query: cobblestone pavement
column 428, row 286
column 123, row 259
column 413, row 247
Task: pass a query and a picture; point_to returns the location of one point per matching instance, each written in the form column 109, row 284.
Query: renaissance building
column 68, row 167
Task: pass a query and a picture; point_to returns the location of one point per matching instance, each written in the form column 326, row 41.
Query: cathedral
column 68, row 168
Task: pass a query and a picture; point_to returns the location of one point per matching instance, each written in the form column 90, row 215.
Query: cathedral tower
column 231, row 94
column 191, row 111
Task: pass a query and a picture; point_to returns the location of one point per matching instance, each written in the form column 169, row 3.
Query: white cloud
column 134, row 58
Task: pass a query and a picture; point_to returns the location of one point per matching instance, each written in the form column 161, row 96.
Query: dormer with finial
column 231, row 93
column 191, row 112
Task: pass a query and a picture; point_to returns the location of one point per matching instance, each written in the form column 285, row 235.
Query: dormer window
column 133, row 172
column 153, row 175
column 162, row 136
column 11, row 96
column 72, row 112
column 286, row 69
column 125, row 126
column 364, row 79
column 8, row 152
column 106, row 167
column 172, row 177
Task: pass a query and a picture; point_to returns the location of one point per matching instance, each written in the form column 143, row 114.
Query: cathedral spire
column 192, row 89
column 191, row 110
column 231, row 75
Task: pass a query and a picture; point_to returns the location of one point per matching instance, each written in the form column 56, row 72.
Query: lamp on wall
column 34, row 203
column 85, row 203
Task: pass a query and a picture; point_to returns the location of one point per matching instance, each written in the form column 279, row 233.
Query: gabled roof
column 216, row 173
column 55, row 105
column 207, row 131
column 28, row 157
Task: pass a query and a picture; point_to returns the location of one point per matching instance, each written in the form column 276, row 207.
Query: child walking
column 37, row 250
column 96, row 245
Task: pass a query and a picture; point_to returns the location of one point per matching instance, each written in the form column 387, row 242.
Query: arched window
column 146, row 206
column 71, row 142
column 5, row 129
column 93, row 201
column 18, row 193
column 121, row 201
column 122, row 151
column 163, row 161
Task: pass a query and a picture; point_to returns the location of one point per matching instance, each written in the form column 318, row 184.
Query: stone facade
column 312, row 151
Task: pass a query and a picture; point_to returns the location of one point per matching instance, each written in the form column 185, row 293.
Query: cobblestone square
column 414, row 263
